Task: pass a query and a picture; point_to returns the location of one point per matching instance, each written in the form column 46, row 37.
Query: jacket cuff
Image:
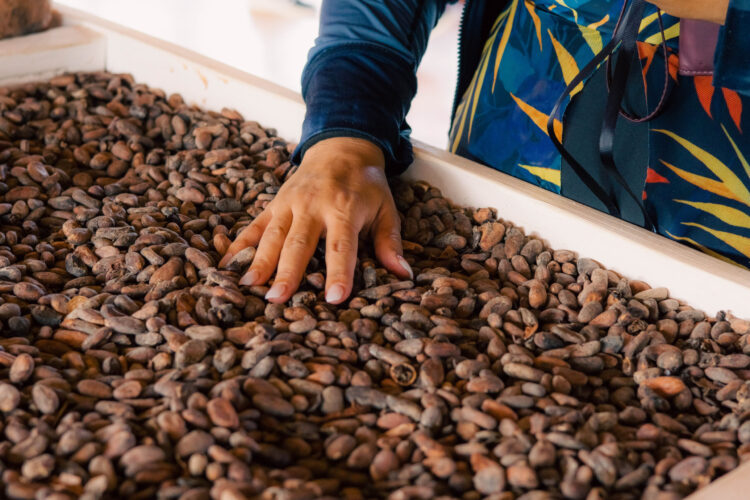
column 352, row 91
column 732, row 57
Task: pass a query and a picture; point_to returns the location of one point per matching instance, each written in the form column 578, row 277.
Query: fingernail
column 276, row 291
column 406, row 266
column 335, row 293
column 249, row 278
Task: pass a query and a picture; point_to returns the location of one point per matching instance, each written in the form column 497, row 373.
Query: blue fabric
column 361, row 74
column 732, row 60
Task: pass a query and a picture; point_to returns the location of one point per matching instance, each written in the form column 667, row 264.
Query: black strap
column 665, row 89
column 624, row 37
column 606, row 198
column 628, row 52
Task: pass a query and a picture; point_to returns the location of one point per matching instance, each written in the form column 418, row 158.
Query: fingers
column 299, row 247
column 386, row 234
column 341, row 257
column 248, row 237
column 269, row 248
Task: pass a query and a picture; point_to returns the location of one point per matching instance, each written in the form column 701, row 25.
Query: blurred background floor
column 271, row 38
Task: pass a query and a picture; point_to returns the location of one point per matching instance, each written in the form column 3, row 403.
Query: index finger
column 248, row 237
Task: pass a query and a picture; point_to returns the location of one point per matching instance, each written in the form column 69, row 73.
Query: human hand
column 339, row 190
column 714, row 11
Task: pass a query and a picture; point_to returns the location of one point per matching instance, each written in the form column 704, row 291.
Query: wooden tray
column 86, row 43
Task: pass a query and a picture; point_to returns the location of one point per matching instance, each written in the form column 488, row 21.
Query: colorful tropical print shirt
column 697, row 185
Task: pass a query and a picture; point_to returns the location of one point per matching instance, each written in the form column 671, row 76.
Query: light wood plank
column 42, row 55
column 732, row 486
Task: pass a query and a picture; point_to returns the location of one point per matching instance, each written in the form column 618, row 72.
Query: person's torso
column 697, row 182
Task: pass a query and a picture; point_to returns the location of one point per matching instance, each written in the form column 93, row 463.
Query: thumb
column 386, row 234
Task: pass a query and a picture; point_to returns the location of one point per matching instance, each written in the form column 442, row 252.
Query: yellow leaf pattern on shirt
column 539, row 118
column 567, row 64
column 551, row 175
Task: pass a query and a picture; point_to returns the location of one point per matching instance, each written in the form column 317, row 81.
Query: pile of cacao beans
column 132, row 366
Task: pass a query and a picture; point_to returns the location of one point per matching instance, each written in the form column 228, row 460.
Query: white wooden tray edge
column 43, row 55
column 732, row 486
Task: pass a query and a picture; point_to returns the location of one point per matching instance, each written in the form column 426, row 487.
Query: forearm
column 361, row 74
column 714, row 11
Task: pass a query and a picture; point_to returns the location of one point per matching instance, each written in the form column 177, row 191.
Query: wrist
column 714, row 11
column 347, row 150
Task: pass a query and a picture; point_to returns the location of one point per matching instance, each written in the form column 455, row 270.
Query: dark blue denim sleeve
column 360, row 76
column 732, row 60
